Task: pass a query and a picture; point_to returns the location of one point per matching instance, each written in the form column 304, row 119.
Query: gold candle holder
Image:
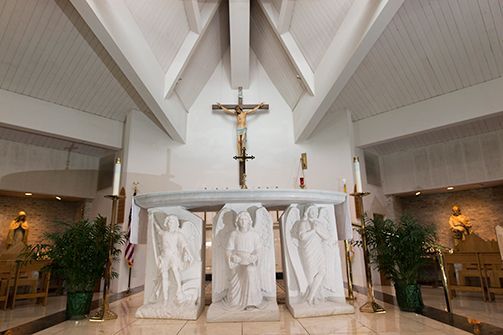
column 349, row 270
column 104, row 313
column 371, row 306
column 441, row 263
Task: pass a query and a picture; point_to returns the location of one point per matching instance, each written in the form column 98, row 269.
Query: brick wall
column 483, row 207
column 42, row 215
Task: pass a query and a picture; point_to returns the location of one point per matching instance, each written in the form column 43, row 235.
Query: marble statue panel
column 174, row 269
column 243, row 266
column 311, row 262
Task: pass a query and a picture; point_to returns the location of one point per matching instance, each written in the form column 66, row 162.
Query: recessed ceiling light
column 59, row 198
column 418, row 192
column 450, row 188
column 28, row 193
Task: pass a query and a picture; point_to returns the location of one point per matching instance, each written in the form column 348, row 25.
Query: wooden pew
column 38, row 286
column 480, row 269
column 493, row 273
column 471, row 269
column 7, row 272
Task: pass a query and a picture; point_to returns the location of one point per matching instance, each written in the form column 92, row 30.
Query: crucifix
column 240, row 111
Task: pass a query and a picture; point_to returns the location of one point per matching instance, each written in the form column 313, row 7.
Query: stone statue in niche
column 311, row 262
column 460, row 224
column 18, row 230
column 177, row 277
column 243, row 268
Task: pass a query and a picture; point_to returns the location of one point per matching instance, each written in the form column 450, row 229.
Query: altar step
column 280, row 292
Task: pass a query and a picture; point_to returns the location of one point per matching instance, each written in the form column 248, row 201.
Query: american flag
column 129, row 253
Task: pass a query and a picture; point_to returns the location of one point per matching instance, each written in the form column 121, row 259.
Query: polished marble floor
column 466, row 304
column 391, row 323
column 27, row 311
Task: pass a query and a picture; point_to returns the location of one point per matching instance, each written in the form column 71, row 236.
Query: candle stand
column 441, row 263
column 371, row 306
column 349, row 270
column 104, row 313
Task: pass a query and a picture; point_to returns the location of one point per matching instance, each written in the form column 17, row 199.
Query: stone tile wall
column 42, row 215
column 483, row 206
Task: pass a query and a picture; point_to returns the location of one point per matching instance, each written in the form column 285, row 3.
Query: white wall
column 456, row 107
column 158, row 164
column 474, row 159
column 30, row 168
column 24, row 112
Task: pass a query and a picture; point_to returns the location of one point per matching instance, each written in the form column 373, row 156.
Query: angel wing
column 289, row 223
column 325, row 217
column 328, row 224
column 222, row 226
column 263, row 227
column 193, row 236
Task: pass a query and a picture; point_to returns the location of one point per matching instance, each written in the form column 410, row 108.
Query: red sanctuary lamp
column 303, row 166
column 301, row 182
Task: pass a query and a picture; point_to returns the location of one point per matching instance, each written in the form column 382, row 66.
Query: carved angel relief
column 176, row 291
column 310, row 238
column 243, row 259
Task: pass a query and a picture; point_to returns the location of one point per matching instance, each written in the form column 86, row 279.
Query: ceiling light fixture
column 28, row 193
column 58, row 198
column 450, row 188
column 418, row 192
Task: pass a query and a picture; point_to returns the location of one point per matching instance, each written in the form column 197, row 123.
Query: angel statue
column 310, row 247
column 243, row 262
column 173, row 258
column 176, row 267
column 243, row 248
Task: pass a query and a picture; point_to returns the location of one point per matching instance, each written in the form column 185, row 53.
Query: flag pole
column 129, row 281
column 129, row 252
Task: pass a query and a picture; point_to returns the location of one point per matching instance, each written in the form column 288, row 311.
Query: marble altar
column 243, row 254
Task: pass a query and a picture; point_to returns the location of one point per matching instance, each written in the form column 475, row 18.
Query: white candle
column 117, row 177
column 358, row 175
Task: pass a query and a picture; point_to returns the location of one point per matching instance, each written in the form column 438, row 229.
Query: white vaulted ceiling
column 430, row 48
column 106, row 57
column 48, row 52
column 164, row 25
column 314, row 25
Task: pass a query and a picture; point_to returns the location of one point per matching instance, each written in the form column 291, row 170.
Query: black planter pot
column 409, row 297
column 78, row 305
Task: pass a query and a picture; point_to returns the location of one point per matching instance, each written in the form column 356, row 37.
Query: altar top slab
column 273, row 197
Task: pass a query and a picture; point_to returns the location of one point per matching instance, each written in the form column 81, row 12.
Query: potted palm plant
column 79, row 254
column 399, row 250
